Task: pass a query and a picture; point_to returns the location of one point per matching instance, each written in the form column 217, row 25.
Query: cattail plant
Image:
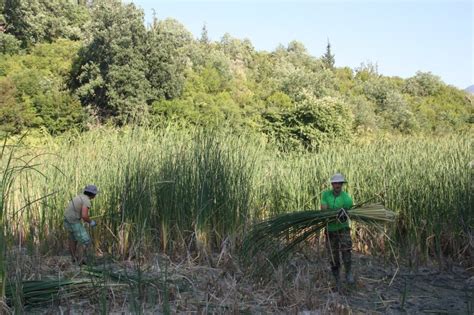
column 179, row 189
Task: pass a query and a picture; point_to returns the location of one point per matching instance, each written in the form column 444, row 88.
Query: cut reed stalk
column 279, row 236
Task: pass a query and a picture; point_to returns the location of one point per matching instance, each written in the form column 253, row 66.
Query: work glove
column 92, row 223
column 342, row 215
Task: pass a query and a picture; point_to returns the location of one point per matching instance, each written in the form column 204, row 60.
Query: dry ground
column 304, row 286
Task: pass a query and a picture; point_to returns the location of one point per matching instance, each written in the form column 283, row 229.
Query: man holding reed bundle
column 338, row 236
column 77, row 210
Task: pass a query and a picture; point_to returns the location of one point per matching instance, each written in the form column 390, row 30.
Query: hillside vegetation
column 72, row 66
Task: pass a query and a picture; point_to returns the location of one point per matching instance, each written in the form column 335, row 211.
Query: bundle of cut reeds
column 277, row 237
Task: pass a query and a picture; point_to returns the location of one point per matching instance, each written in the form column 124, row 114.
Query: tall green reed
column 188, row 188
column 15, row 164
column 6, row 182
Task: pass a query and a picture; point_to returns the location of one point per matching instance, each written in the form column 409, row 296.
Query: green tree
column 204, row 39
column 239, row 51
column 167, row 55
column 110, row 72
column 391, row 105
column 363, row 110
column 397, row 113
column 33, row 85
column 423, row 84
column 297, row 48
column 449, row 109
column 279, row 100
column 367, row 71
column 328, row 58
column 9, row 45
column 35, row 21
column 58, row 111
column 14, row 115
column 309, row 124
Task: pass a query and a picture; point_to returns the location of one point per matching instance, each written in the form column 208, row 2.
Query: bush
column 15, row 114
column 309, row 124
column 9, row 45
column 423, row 84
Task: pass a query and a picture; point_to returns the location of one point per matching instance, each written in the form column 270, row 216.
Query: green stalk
column 5, row 185
column 195, row 186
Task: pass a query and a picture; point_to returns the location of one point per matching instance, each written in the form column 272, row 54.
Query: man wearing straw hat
column 77, row 210
column 338, row 236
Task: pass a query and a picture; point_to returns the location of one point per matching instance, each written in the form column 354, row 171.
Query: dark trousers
column 337, row 243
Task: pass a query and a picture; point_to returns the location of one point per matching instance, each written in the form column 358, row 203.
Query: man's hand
column 92, row 223
column 342, row 215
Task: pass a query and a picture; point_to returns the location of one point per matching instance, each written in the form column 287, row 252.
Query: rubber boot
column 349, row 276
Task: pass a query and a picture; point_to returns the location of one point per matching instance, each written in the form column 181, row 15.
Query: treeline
column 75, row 64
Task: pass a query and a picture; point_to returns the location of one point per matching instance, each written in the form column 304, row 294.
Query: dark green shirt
column 344, row 200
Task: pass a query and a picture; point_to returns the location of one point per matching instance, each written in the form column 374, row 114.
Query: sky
column 401, row 37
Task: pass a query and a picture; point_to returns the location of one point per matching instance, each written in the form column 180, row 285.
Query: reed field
column 180, row 190
column 186, row 194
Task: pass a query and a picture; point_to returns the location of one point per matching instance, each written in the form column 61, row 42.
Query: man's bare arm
column 85, row 215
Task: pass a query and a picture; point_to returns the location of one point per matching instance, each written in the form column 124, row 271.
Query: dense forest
column 78, row 64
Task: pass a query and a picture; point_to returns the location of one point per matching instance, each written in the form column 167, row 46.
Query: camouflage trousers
column 337, row 243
